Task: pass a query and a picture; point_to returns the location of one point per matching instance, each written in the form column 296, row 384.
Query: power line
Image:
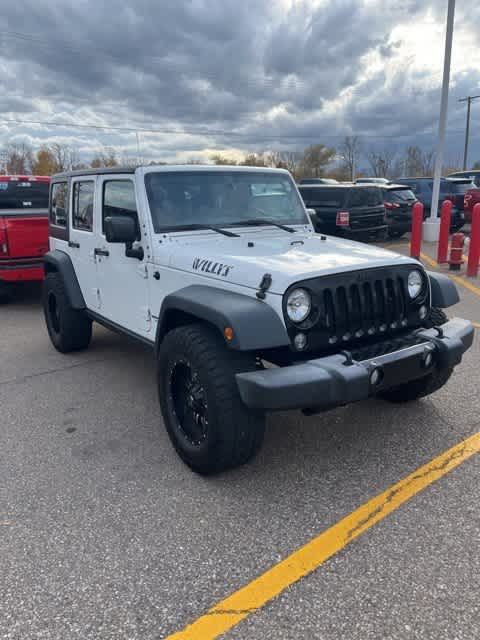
column 214, row 132
column 468, row 100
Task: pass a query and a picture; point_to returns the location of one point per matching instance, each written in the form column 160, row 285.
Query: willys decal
column 208, row 266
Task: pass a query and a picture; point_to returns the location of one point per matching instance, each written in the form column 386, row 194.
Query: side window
column 82, row 214
column 58, row 204
column 119, row 200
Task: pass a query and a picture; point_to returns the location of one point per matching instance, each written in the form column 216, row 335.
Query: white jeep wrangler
column 246, row 308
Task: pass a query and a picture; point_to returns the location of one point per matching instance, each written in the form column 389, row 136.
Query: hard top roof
column 342, row 185
column 169, row 168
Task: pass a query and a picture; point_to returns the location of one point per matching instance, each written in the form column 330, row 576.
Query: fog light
column 300, row 341
column 376, row 377
column 423, row 312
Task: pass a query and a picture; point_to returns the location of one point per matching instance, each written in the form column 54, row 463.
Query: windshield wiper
column 256, row 222
column 211, row 227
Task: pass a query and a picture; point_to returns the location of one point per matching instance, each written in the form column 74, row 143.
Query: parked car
column 472, row 197
column 372, row 181
column 318, row 181
column 23, row 229
column 189, row 262
column 422, row 188
column 354, row 211
column 398, row 200
column 473, row 174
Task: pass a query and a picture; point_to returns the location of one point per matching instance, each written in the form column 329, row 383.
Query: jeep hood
column 287, row 257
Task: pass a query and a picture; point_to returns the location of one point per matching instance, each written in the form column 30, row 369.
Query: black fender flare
column 60, row 262
column 256, row 326
column 443, row 291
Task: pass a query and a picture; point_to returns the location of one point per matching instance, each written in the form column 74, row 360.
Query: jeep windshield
column 180, row 199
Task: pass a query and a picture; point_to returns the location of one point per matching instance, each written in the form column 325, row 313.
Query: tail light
column 3, row 239
column 343, row 218
column 391, row 205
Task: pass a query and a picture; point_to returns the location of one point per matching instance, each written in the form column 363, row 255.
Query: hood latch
column 264, row 286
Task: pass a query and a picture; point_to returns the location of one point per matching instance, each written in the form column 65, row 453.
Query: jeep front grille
column 357, row 306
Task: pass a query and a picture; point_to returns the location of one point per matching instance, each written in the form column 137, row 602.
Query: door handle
column 101, row 252
column 73, row 245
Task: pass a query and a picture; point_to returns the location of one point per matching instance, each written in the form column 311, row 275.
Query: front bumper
column 333, row 381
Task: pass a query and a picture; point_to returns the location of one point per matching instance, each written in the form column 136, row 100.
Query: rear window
column 399, row 195
column 324, row 196
column 24, row 195
column 365, row 197
column 457, row 188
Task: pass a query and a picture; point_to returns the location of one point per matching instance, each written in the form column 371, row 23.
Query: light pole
column 468, row 100
column 431, row 227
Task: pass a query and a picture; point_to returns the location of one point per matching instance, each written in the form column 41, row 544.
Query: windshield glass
column 23, row 195
column 458, row 188
column 221, row 198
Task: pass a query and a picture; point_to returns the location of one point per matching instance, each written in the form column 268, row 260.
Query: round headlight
column 415, row 284
column 299, row 304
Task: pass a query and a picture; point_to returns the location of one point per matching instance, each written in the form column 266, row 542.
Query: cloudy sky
column 196, row 77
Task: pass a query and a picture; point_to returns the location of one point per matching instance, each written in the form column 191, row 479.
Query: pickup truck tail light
column 391, row 205
column 343, row 218
column 3, row 240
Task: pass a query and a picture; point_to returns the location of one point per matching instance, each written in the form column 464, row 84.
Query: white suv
column 246, row 308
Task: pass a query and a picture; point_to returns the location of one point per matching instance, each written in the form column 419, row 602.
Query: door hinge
column 143, row 270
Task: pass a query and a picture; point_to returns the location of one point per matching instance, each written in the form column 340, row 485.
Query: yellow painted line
column 458, row 279
column 249, row 599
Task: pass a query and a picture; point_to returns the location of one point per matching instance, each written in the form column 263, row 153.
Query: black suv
column 398, row 200
column 354, row 211
column 449, row 189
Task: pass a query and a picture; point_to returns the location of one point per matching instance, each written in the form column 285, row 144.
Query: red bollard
column 474, row 250
column 417, row 223
column 445, row 220
column 456, row 251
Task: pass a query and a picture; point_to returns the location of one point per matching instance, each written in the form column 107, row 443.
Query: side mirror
column 120, row 229
column 312, row 214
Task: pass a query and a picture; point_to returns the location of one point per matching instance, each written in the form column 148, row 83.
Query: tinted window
column 82, row 213
column 224, row 198
column 399, row 195
column 25, row 194
column 324, row 196
column 459, row 188
column 58, row 204
column 365, row 197
column 119, row 199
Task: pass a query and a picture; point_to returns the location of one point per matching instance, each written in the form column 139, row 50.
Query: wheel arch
column 59, row 262
column 256, row 326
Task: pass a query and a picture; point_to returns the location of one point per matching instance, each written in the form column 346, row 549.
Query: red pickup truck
column 23, row 229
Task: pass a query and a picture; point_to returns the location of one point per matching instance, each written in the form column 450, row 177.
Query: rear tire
column 5, row 292
column 69, row 329
column 206, row 420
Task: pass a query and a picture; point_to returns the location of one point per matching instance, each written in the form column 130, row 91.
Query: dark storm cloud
column 222, row 65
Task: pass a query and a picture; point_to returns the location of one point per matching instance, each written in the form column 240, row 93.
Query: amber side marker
column 226, row 614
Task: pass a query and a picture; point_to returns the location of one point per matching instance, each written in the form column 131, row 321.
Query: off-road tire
column 233, row 433
column 422, row 387
column 69, row 329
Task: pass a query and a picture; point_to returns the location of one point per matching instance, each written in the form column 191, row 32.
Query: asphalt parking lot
column 105, row 534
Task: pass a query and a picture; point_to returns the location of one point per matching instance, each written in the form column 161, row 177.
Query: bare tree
column 217, row 158
column 19, row 158
column 64, row 156
column 381, row 162
column 316, row 159
column 417, row 162
column 289, row 160
column 349, row 152
column 106, row 158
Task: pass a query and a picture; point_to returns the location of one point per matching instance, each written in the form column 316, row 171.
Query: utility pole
column 431, row 228
column 468, row 100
